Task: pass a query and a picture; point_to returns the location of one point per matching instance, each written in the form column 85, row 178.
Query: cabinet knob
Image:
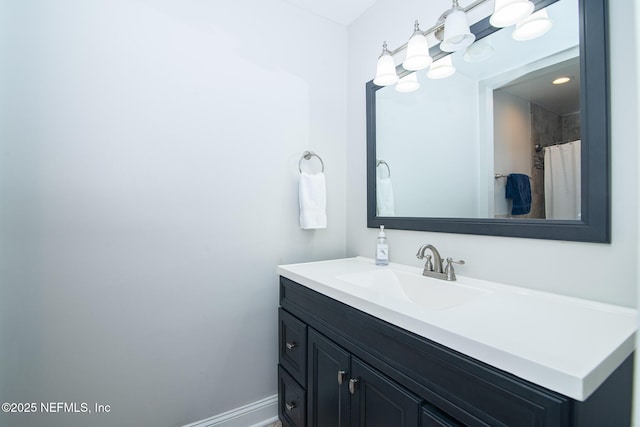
column 353, row 385
column 290, row 406
column 291, row 345
column 341, row 376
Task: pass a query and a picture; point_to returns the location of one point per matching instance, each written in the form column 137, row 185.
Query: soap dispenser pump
column 382, row 248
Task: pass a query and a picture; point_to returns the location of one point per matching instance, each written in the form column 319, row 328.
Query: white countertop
column 565, row 344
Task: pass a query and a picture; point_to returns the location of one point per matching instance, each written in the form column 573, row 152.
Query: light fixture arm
column 439, row 25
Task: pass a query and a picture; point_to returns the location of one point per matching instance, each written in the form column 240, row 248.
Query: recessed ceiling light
column 561, row 80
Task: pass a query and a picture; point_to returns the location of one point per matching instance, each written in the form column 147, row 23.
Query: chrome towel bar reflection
column 306, row 156
column 382, row 162
column 499, row 175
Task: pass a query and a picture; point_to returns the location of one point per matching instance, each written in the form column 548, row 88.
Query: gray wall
column 148, row 189
column 546, row 129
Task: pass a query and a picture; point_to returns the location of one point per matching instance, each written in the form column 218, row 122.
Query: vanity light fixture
column 457, row 34
column 533, row 26
column 386, row 70
column 408, row 83
column 441, row 69
column 562, row 80
column 453, row 32
column 418, row 57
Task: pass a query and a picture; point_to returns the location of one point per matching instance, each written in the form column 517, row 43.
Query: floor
column 276, row 424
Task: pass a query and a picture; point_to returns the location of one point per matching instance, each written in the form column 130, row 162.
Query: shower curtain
column 562, row 181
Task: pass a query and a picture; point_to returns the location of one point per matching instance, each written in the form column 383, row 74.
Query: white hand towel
column 313, row 201
column 384, row 198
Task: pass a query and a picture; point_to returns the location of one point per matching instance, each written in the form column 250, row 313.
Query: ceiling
column 537, row 87
column 341, row 11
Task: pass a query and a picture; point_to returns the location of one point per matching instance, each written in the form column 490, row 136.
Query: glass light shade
column 534, row 26
column 479, row 51
column 408, row 83
column 441, row 68
column 386, row 70
column 456, row 32
column 509, row 12
column 418, row 57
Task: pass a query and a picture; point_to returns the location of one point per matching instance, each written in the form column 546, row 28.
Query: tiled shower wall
column 547, row 128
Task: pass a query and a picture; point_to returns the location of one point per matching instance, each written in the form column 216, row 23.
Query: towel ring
column 382, row 162
column 306, row 156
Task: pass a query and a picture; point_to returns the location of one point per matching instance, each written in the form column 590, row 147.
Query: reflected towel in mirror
column 313, row 201
column 384, row 198
column 519, row 191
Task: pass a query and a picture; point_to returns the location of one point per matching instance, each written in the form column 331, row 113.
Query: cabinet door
column 377, row 401
column 328, row 400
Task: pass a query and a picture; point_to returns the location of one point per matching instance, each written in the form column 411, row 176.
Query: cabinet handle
column 353, row 383
column 292, row 345
column 341, row 376
column 290, row 406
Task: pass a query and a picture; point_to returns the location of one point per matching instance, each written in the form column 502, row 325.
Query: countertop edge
column 576, row 387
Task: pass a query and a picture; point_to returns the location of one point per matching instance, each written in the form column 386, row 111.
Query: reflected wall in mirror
column 446, row 156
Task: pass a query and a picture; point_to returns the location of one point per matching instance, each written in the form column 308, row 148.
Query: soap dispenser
column 382, row 248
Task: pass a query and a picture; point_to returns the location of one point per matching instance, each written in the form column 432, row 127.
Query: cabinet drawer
column 292, row 334
column 292, row 401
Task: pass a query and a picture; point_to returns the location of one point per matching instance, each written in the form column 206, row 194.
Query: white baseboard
column 256, row 414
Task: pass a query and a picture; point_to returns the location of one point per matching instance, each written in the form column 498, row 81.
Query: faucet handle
column 448, row 270
column 429, row 264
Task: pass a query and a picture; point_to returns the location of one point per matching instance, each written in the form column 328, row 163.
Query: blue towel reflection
column 519, row 191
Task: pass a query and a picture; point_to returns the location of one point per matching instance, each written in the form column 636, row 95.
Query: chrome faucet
column 434, row 269
column 436, row 257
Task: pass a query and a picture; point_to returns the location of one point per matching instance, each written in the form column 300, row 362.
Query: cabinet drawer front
column 293, row 346
column 291, row 401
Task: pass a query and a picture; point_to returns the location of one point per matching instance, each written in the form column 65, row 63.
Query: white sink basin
column 426, row 292
column 565, row 344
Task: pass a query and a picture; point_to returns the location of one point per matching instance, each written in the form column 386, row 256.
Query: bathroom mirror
column 443, row 152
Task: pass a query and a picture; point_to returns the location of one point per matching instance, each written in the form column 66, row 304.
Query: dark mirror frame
column 594, row 225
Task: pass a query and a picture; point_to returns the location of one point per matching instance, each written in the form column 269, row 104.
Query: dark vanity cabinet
column 340, row 367
column 340, row 389
column 345, row 391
